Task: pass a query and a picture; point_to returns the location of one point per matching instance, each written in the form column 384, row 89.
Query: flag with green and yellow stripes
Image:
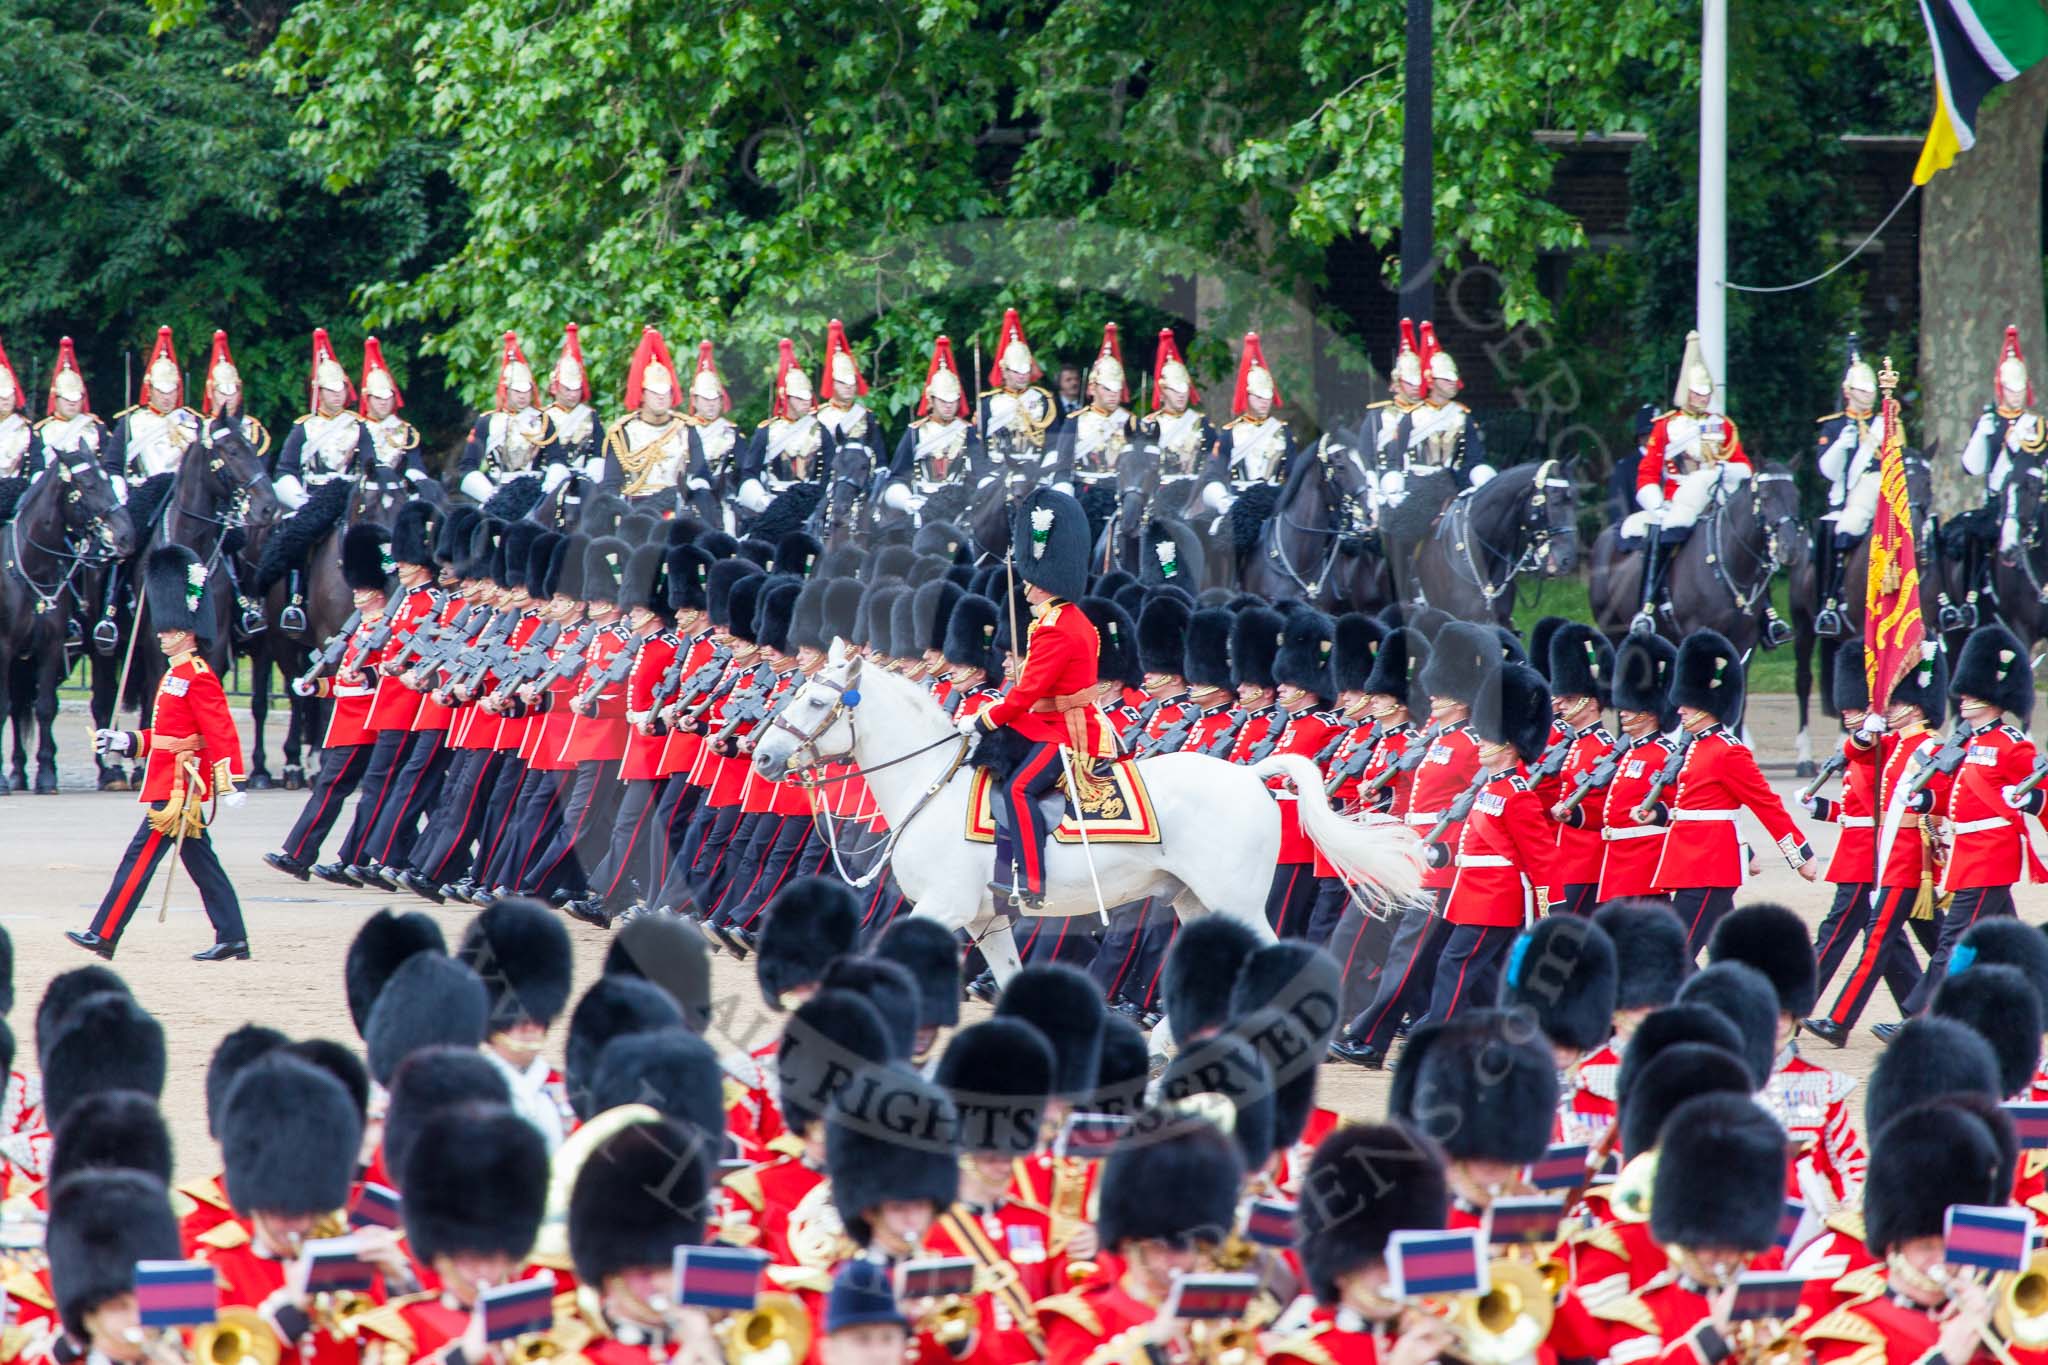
column 1978, row 46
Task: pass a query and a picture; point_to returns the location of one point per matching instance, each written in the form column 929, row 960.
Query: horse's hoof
column 112, row 780
column 1806, row 768
column 260, row 782
column 18, row 780
column 294, row 779
column 46, row 781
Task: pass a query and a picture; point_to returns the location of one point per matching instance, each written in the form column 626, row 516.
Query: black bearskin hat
column 602, row 513
column 1720, row 1176
column 1643, row 670
column 412, row 533
column 1206, row 660
column 642, row 586
column 906, row 635
column 1926, row 1059
column 1124, row 1072
column 2007, row 942
column 384, row 942
column 339, row 1061
column 1678, row 1073
column 290, row 1136
column 1744, row 996
column 931, row 610
column 759, row 551
column 2000, row 1004
column 1925, row 686
column 429, row 999
column 1116, row 642
column 552, row 564
column 1296, row 977
column 1513, row 708
column 1932, row 1156
column 1354, row 651
column 971, row 635
column 430, row 1081
column 66, row 990
column 689, row 567
column 1777, row 943
column 927, row 569
column 999, row 1074
column 452, row 537
column 877, row 605
column 776, row 613
column 114, row 1129
column 1227, row 1065
column 890, row 1135
column 6, row 973
column 101, row 1223
column 1511, row 651
column 1851, row 688
column 942, row 538
column 477, row 1183
column 239, row 1048
column 840, row 617
column 930, row 953
column 828, row 1038
column 104, row 1042
column 1460, row 658
column 1255, row 636
column 668, row 951
column 168, row 588
column 1707, row 676
column 642, row 1192
column 483, row 553
column 797, row 553
column 1202, row 965
column 1113, row 585
column 1651, row 957
column 889, row 561
column 719, row 580
column 671, row 1069
column 807, row 623
column 1540, row 635
column 1173, row 554
column 1397, row 669
column 517, row 544
column 1480, row 1084
column 1065, row 1006
column 810, row 922
column 1290, row 1053
column 1305, row 651
column 520, row 951
column 1365, row 1184
column 1562, row 970
column 1673, row 1026
column 886, row 985
column 604, row 566
column 1581, row 663
column 1175, row 1181
column 1051, row 541
column 719, row 545
column 613, row 1007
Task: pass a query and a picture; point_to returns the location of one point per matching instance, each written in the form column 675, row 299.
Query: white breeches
column 1859, row 508
column 1695, row 491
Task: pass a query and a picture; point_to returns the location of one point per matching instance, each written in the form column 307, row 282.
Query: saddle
column 1114, row 802
column 1425, row 497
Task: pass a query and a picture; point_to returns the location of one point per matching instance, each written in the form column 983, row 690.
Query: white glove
column 416, row 476
column 752, row 496
column 1650, row 497
column 700, row 485
column 552, row 480
column 234, row 799
column 1217, row 498
column 289, row 491
column 968, row 725
column 1480, row 474
column 1873, row 724
column 478, row 485
column 896, row 497
column 110, row 741
column 304, row 687
column 120, row 490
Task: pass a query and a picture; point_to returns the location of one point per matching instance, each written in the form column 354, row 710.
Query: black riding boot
column 1830, row 624
column 1655, row 562
column 292, row 620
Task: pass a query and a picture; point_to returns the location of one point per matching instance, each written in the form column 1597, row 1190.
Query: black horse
column 1523, row 520
column 1310, row 543
column 54, row 528
column 2019, row 575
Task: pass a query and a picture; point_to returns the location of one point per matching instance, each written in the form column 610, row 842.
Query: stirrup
column 1970, row 612
column 1828, row 625
column 106, row 635
column 252, row 619
column 1643, row 623
column 292, row 620
column 1776, row 632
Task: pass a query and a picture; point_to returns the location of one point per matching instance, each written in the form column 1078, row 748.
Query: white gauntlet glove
column 111, row 741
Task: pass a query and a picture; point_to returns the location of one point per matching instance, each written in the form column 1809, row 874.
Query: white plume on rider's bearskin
column 1052, row 543
column 365, row 560
column 167, row 586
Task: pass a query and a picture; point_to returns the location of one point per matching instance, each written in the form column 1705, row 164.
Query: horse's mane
column 11, row 491
column 875, row 678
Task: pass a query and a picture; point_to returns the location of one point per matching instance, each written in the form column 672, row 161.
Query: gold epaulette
column 2033, row 1161
column 23, row 1284
column 800, row 1277
column 132, row 407
column 1845, row 1325
column 1303, row 1346
column 1602, row 1237
column 786, row 1144
column 1128, row 1347
column 1829, row 417
column 1629, row 1311
column 1862, row 1284
column 1848, row 1222
column 1075, row 1308
column 207, row 1192
column 746, row 1186
column 225, row 1237
column 387, row 1320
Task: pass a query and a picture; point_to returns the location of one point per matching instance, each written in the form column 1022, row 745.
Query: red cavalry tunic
column 1718, row 779
column 1504, row 851
column 190, row 706
column 1659, row 464
column 1631, row 851
column 1060, row 654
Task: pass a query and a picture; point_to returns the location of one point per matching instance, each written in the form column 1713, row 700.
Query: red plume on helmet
column 785, row 361
column 163, row 350
column 1013, row 330
column 1114, row 350
column 511, row 355
column 323, row 354
column 572, row 350
column 373, row 363
column 708, row 364
column 1429, row 352
column 1169, row 354
column 652, row 350
column 67, row 361
column 836, row 346
column 1251, row 358
column 218, row 356
column 942, row 359
column 2010, row 351
column 13, row 380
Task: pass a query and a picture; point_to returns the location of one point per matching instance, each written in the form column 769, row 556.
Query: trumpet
column 1224, row 1343
column 237, row 1337
column 2020, row 1314
column 1768, row 1342
column 951, row 1321
column 775, row 1331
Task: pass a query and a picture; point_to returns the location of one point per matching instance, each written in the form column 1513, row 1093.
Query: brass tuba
column 239, row 1336
column 775, row 1331
column 1509, row 1321
column 2020, row 1314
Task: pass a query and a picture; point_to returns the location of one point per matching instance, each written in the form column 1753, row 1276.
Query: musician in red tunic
column 194, row 754
column 1052, row 705
column 101, row 1223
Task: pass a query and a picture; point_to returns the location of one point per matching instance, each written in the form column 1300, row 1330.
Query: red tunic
column 433, row 715
column 1631, row 851
column 1503, row 855
column 1990, row 837
column 1258, row 726
column 1442, row 776
column 1718, row 779
column 1901, row 833
column 1579, row 845
column 247, row 1280
column 349, row 721
column 642, row 761
column 1882, row 1329
column 601, row 734
column 1077, row 1323
column 396, row 705
column 1856, row 846
column 1307, row 733
column 1657, row 465
column 1059, row 662
column 679, row 749
column 1332, row 1337
column 189, row 705
column 1010, row 1242
column 547, row 733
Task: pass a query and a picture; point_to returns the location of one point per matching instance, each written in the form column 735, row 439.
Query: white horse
column 1218, row 823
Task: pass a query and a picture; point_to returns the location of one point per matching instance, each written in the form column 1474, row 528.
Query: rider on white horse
column 1052, row 705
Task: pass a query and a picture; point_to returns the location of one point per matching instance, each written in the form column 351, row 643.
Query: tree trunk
column 1980, row 271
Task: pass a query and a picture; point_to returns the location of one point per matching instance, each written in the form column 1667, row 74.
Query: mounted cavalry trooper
column 714, row 438
column 577, row 430
column 329, row 442
column 849, row 420
column 224, row 399
column 1092, row 438
column 150, row 438
column 21, row 450
column 394, row 442
column 941, row 447
column 515, row 438
column 1017, row 416
column 1183, row 432
column 1051, row 707
column 69, row 426
column 647, row 452
column 2009, row 435
column 1850, row 445
column 1692, row 454
column 792, row 447
column 1423, row 430
column 1255, row 447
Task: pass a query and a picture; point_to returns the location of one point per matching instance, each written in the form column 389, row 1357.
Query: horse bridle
column 1746, row 599
column 94, row 529
column 1534, row 526
column 1349, row 516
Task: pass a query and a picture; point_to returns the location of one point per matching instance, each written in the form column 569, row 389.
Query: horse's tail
column 1383, row 863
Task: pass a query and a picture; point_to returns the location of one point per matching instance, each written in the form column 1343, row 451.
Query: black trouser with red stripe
column 472, row 780
column 1062, row 938
column 1965, row 908
column 1361, row 944
column 793, row 850
column 633, row 829
column 1699, row 909
column 1885, row 954
column 1328, row 911
column 1136, row 938
column 533, row 817
column 415, row 787
column 1410, row 972
column 341, row 769
column 1578, row 899
column 1845, row 919
column 1468, row 973
column 1015, row 804
column 131, row 879
column 385, row 761
column 579, row 842
column 499, row 810
column 1291, row 898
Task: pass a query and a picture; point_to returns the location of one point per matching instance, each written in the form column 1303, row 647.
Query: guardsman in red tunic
column 1855, row 855
column 346, row 751
column 194, row 754
column 1165, row 1199
column 1702, row 862
column 1460, row 659
column 1902, row 748
column 1581, row 687
column 1051, row 708
column 1255, row 638
column 700, row 660
column 477, row 1177
column 1354, row 646
column 102, row 1222
column 1363, row 1185
column 392, row 705
column 1306, row 726
column 1503, row 852
column 1631, row 849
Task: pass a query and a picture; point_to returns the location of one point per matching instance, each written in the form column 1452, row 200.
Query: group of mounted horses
column 70, row 548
